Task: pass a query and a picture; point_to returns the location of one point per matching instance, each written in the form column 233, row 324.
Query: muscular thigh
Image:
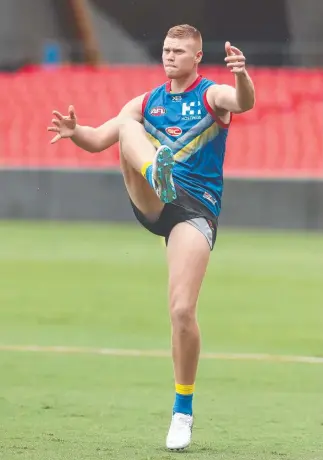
column 140, row 192
column 188, row 254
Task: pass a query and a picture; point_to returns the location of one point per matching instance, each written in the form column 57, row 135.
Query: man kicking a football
column 172, row 147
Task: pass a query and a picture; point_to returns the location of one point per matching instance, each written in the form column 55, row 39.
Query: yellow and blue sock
column 184, row 399
column 147, row 172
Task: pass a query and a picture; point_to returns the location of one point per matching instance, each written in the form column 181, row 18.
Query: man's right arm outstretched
column 94, row 139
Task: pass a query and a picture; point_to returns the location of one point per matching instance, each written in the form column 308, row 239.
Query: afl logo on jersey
column 157, row 111
column 174, row 131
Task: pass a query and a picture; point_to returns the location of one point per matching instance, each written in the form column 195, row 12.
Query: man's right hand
column 64, row 125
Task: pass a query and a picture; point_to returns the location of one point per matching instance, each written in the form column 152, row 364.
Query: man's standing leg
column 188, row 254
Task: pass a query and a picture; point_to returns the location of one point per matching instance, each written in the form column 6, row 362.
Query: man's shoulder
column 157, row 89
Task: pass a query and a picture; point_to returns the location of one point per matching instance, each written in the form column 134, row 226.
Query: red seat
column 281, row 136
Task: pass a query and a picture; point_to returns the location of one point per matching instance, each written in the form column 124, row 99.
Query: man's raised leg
column 139, row 190
column 155, row 166
column 188, row 254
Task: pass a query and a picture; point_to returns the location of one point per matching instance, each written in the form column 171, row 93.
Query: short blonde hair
column 185, row 31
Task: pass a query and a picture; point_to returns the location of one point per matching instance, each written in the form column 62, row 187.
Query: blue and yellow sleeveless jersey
column 187, row 124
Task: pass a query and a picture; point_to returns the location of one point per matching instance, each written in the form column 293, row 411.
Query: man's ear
column 198, row 57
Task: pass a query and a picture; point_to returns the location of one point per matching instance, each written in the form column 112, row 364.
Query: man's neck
column 179, row 85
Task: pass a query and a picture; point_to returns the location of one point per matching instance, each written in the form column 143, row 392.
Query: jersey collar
column 190, row 88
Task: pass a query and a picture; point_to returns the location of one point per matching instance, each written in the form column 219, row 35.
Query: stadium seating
column 282, row 136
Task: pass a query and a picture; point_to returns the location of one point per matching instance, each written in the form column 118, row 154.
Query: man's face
column 180, row 56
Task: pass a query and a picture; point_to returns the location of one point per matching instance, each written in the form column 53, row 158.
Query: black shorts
column 184, row 208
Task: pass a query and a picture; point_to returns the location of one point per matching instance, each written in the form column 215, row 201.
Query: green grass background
column 105, row 286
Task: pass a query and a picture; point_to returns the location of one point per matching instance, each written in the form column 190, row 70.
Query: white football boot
column 180, row 432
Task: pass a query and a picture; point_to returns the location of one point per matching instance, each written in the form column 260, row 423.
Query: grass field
column 104, row 286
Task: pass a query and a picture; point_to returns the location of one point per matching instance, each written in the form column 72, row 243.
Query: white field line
column 161, row 353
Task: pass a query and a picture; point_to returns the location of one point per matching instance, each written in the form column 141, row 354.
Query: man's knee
column 183, row 314
column 126, row 127
column 123, row 128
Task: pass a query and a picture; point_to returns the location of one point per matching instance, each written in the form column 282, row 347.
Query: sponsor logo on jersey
column 191, row 111
column 191, row 108
column 176, row 98
column 192, row 117
column 174, row 131
column 209, row 197
column 158, row 111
